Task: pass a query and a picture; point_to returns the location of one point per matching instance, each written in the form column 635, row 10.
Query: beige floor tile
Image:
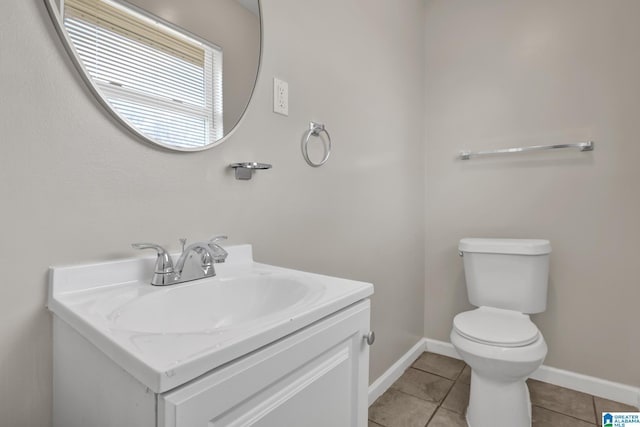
column 413, row 399
column 559, row 399
column 546, row 418
column 397, row 409
column 439, row 365
column 605, row 405
column 444, row 418
column 423, row 385
column 465, row 376
column 458, row 398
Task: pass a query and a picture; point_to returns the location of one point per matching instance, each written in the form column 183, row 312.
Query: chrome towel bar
column 582, row 146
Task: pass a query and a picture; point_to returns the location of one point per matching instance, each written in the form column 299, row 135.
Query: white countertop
column 113, row 305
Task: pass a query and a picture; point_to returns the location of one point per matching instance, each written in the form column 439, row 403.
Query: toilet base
column 498, row 403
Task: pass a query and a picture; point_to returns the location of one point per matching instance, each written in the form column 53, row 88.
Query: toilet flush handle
column 460, row 253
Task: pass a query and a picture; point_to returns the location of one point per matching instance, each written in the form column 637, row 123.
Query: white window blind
column 165, row 84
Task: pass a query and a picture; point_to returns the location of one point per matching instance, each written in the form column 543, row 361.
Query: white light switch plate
column 280, row 97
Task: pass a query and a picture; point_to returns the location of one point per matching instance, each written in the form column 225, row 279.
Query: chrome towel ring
column 315, row 129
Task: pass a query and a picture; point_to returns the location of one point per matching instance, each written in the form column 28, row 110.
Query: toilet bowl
column 506, row 279
column 499, row 395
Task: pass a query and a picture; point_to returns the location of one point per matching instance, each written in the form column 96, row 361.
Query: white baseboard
column 379, row 386
column 596, row 386
column 584, row 383
column 591, row 385
column 441, row 347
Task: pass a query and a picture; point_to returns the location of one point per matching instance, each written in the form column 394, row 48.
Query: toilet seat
column 496, row 327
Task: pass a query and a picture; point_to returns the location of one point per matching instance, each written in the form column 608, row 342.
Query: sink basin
column 166, row 336
column 210, row 306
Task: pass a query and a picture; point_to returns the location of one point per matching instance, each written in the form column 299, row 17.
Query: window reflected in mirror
column 177, row 74
column 165, row 82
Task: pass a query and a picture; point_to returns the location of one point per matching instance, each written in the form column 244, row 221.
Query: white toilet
column 507, row 280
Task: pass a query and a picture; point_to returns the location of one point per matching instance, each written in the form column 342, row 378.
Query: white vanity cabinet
column 257, row 345
column 317, row 376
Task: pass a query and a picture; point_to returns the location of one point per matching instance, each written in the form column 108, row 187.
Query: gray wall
column 515, row 73
column 75, row 187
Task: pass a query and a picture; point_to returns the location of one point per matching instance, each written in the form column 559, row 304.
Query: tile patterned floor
column 434, row 392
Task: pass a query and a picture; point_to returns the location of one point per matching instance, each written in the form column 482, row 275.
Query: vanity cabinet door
column 317, row 377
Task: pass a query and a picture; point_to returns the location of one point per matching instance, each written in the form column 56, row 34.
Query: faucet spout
column 201, row 249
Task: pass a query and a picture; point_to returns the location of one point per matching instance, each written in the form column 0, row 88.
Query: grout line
column 595, row 418
column 460, row 373
column 453, row 384
column 438, row 375
column 445, row 396
column 566, row 415
column 439, row 405
column 434, row 374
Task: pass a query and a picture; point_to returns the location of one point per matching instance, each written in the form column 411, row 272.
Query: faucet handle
column 219, row 254
column 164, row 264
column 214, row 239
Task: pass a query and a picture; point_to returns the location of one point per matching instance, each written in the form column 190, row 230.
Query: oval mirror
column 177, row 74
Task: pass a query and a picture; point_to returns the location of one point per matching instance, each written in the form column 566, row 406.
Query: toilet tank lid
column 505, row 246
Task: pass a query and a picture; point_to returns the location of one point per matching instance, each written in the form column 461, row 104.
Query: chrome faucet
column 208, row 254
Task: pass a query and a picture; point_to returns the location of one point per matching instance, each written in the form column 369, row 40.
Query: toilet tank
column 511, row 274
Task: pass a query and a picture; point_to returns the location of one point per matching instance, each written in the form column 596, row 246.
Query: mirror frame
column 75, row 58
